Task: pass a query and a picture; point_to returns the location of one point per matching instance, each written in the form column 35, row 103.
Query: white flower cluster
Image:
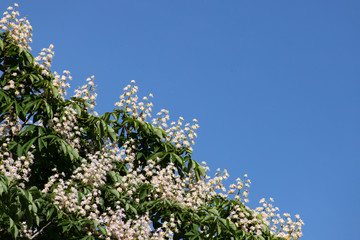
column 18, row 88
column 15, row 169
column 237, row 188
column 95, row 167
column 187, row 191
column 246, row 219
column 60, row 82
column 129, row 102
column 10, row 126
column 92, row 172
column 18, row 29
column 44, row 59
column 28, row 232
column 88, row 94
column 284, row 226
column 167, row 185
column 137, row 228
column 178, row 135
column 66, row 126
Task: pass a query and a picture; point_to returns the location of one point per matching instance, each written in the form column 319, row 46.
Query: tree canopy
column 67, row 172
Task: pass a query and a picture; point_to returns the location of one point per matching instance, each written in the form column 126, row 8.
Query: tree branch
column 42, row 229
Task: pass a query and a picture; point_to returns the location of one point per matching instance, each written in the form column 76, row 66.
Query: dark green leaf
column 1, row 44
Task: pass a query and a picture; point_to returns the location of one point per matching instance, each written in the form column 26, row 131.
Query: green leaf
column 3, row 95
column 1, row 44
column 5, row 107
column 111, row 133
column 3, row 188
column 49, row 213
column 218, row 229
column 41, row 143
column 229, row 224
column 17, row 108
column 202, row 171
column 20, row 50
column 19, row 150
column 179, row 160
column 11, row 222
column 191, row 164
column 5, row 179
column 115, row 192
column 101, row 229
column 48, row 110
column 55, row 91
column 213, row 211
column 159, row 132
column 28, row 144
column 67, row 150
column 15, row 231
column 29, row 57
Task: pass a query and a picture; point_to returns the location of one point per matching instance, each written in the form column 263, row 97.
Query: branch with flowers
column 68, row 173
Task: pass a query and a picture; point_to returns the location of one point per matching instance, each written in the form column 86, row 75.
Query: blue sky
column 274, row 84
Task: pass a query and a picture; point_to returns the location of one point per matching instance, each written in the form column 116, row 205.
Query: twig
column 37, row 233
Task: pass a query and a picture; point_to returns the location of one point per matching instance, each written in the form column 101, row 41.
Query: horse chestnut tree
column 68, row 173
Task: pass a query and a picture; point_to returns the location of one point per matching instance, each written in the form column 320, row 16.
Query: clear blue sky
column 274, row 84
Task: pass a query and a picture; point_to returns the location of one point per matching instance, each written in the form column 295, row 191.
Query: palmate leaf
column 29, row 58
column 67, row 150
